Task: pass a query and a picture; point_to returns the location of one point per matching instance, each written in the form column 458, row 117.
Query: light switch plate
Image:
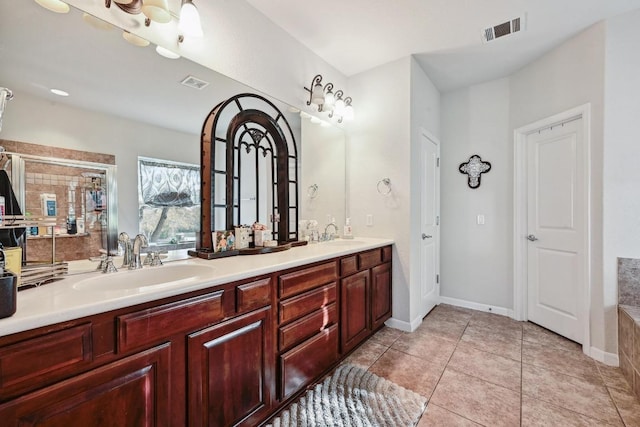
column 480, row 220
column 369, row 220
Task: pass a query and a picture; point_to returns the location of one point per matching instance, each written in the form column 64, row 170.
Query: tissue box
column 223, row 241
column 260, row 236
column 243, row 236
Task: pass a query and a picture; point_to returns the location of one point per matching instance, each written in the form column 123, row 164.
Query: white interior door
column 557, row 215
column 430, row 221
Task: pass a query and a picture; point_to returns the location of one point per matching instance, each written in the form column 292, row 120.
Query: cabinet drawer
column 369, row 259
column 295, row 307
column 253, row 295
column 308, row 278
column 47, row 357
column 306, row 362
column 348, row 265
column 307, row 326
column 155, row 324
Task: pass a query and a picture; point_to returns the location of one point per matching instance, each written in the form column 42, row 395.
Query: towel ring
column 385, row 190
column 312, row 191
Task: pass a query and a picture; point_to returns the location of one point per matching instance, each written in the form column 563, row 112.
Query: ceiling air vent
column 194, row 82
column 513, row 26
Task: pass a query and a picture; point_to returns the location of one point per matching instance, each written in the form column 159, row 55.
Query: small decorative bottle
column 348, row 232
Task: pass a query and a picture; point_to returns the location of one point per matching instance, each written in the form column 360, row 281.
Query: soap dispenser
column 347, row 232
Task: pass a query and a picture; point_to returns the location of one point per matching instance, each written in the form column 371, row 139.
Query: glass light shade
column 96, row 22
column 166, row 53
column 156, row 10
column 317, row 95
column 59, row 92
column 189, row 24
column 134, row 40
column 329, row 100
column 348, row 113
column 56, row 6
column 338, row 109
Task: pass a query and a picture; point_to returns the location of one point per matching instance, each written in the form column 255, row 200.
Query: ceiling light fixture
column 96, row 22
column 59, row 92
column 326, row 100
column 189, row 24
column 56, row 6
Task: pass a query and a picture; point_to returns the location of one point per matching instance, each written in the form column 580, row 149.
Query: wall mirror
column 140, row 109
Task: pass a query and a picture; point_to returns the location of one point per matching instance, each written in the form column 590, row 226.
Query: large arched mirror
column 249, row 169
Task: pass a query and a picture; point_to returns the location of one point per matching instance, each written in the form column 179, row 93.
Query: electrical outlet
column 480, row 219
column 369, row 220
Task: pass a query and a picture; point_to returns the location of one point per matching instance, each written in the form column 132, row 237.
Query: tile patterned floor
column 481, row 369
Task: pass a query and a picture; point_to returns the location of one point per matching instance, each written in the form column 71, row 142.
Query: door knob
column 426, row 236
column 532, row 238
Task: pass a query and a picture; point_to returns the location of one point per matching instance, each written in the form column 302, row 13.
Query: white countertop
column 83, row 295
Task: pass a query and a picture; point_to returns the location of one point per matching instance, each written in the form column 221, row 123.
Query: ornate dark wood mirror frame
column 252, row 123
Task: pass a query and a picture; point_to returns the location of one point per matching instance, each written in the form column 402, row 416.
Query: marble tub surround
column 489, row 370
column 629, row 345
column 629, row 282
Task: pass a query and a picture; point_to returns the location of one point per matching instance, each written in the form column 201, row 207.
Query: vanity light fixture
column 189, row 24
column 56, row 6
column 153, row 10
column 166, row 53
column 134, row 40
column 334, row 103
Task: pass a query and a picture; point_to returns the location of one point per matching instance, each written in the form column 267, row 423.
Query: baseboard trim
column 503, row 311
column 610, row 359
column 402, row 325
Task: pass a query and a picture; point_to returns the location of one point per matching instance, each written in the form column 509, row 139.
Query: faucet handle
column 148, row 260
column 108, row 266
column 156, row 261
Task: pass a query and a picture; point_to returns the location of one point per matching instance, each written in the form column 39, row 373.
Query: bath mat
column 353, row 396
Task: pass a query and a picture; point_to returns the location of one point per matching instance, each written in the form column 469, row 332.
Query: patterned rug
column 353, row 396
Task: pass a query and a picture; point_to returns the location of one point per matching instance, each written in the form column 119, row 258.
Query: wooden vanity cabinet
column 307, row 325
column 365, row 287
column 230, row 355
column 131, row 392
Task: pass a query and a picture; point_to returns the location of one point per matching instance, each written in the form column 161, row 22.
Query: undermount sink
column 147, row 278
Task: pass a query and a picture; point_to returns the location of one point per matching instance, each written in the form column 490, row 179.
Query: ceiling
column 40, row 49
column 444, row 35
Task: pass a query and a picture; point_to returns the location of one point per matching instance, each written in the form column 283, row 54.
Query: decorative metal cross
column 474, row 168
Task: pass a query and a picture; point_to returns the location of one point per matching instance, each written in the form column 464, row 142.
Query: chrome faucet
column 326, row 234
column 125, row 241
column 138, row 243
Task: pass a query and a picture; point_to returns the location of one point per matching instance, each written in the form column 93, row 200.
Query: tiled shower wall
column 629, row 320
column 47, row 178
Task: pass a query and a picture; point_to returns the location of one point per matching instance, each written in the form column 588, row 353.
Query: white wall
column 379, row 147
column 621, row 201
column 395, row 101
column 37, row 121
column 425, row 115
column 566, row 77
column 477, row 260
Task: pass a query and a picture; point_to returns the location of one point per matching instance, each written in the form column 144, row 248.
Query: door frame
column 520, row 245
column 430, row 136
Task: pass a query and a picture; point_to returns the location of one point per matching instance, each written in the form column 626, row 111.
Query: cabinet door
column 355, row 325
column 380, row 295
column 230, row 371
column 131, row 392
